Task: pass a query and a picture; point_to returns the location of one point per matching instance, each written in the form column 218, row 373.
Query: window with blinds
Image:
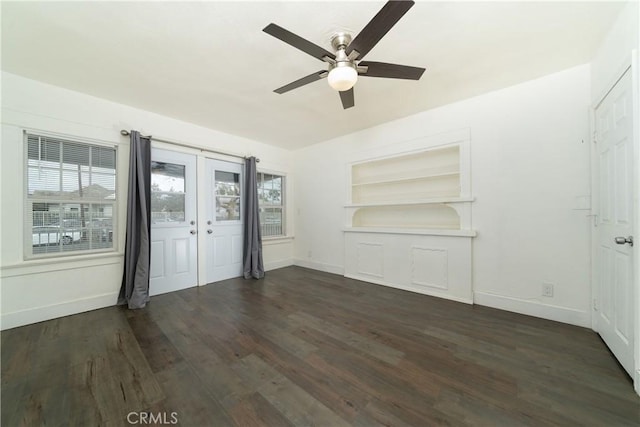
column 71, row 196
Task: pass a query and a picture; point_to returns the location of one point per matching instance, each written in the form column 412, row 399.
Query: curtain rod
column 124, row 132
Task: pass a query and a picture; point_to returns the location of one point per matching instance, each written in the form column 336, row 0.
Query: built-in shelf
column 412, row 178
column 436, row 200
column 418, row 190
column 408, row 218
column 421, row 231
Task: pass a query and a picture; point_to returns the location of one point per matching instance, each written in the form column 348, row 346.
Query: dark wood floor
column 307, row 348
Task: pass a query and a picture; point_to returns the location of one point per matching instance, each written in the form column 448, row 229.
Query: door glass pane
column 227, row 186
column 167, row 192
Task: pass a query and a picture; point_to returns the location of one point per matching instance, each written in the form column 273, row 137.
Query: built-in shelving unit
column 422, row 175
column 414, row 231
column 408, row 220
column 417, row 190
column 447, row 200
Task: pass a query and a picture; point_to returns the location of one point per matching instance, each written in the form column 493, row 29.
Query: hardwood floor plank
column 19, row 351
column 372, row 415
column 579, row 412
column 374, row 378
column 333, row 391
column 476, row 411
column 298, row 406
column 155, row 345
column 187, row 396
column 256, row 411
column 127, row 361
column 303, row 347
column 398, row 413
column 364, row 344
column 282, row 338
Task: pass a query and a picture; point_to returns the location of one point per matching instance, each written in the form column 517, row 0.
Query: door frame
column 632, row 64
column 201, row 191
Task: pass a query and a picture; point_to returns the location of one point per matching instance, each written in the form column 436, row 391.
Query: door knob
column 622, row 240
column 209, row 231
column 193, row 232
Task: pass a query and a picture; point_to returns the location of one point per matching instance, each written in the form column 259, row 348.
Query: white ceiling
column 209, row 63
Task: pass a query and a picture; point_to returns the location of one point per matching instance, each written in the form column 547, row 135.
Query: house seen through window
column 271, row 196
column 71, row 196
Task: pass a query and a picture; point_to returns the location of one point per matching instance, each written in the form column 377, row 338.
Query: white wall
column 42, row 289
column 530, row 170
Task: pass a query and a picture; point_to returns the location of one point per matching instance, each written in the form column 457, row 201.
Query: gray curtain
column 252, row 250
column 135, row 280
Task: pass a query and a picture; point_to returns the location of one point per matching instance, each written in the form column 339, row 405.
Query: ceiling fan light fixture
column 343, row 76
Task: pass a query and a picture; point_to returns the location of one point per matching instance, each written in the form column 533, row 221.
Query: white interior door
column 613, row 257
column 173, row 218
column 224, row 187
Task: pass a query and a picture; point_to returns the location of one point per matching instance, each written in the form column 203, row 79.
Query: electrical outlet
column 309, row 254
column 547, row 289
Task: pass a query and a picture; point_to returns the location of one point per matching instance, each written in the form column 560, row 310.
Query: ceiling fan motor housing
column 340, row 41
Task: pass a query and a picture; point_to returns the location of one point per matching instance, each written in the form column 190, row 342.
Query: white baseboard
column 418, row 290
column 545, row 311
column 328, row 268
column 277, row 264
column 39, row 314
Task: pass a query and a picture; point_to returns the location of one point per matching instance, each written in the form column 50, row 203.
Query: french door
column 224, row 211
column 173, row 222
column 613, row 256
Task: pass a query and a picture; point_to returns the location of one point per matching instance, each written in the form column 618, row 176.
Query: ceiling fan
column 346, row 63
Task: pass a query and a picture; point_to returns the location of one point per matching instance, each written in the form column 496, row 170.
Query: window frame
column 28, row 201
column 282, row 205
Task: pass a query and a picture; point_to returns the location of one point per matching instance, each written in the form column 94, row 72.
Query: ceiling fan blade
column 380, row 25
column 391, row 71
column 347, row 98
column 298, row 42
column 301, row 82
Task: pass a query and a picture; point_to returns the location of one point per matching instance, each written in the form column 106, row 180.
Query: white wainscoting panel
column 429, row 267
column 432, row 265
column 370, row 259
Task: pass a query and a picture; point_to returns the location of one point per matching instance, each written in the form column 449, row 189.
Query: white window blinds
column 71, row 195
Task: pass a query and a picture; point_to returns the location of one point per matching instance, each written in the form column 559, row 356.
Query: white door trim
column 635, row 84
column 202, row 154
